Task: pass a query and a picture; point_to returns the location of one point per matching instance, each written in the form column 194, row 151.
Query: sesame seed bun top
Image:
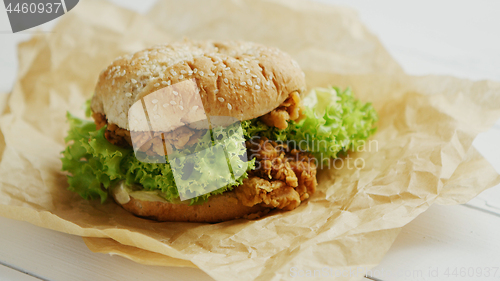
column 243, row 80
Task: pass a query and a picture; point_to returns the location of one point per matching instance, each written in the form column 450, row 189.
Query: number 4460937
column 33, row 8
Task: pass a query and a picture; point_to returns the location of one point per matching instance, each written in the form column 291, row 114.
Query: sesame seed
column 268, row 83
column 219, row 73
column 168, row 82
column 229, row 106
column 175, row 93
column 154, row 101
column 249, row 82
column 165, row 105
column 225, row 80
column 133, row 81
column 181, row 107
column 181, row 77
column 190, row 72
column 172, row 102
column 243, row 83
column 155, row 108
column 247, row 71
column 128, row 95
column 195, row 70
column 228, row 68
column 221, row 99
column 257, row 87
column 157, row 84
column 173, row 72
column 161, row 75
column 211, row 74
column 216, row 62
column 201, row 73
column 254, row 76
column 216, row 91
column 183, row 71
column 164, row 82
column 258, row 80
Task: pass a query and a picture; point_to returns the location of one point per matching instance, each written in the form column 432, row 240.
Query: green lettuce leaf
column 94, row 164
column 334, row 122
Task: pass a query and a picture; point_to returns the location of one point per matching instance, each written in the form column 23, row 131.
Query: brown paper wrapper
column 422, row 152
column 110, row 246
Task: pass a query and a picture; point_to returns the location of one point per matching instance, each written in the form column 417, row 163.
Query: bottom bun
column 218, row 208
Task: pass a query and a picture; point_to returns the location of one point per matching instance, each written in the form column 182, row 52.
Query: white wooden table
column 460, row 38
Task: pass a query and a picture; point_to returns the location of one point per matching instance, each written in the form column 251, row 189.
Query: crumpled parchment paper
column 422, row 153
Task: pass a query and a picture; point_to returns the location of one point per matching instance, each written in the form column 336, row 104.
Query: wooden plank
column 445, row 238
column 488, row 144
column 10, row 274
column 426, row 38
column 57, row 256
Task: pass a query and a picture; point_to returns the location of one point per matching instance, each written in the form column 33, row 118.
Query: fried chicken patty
column 283, row 178
column 290, row 109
